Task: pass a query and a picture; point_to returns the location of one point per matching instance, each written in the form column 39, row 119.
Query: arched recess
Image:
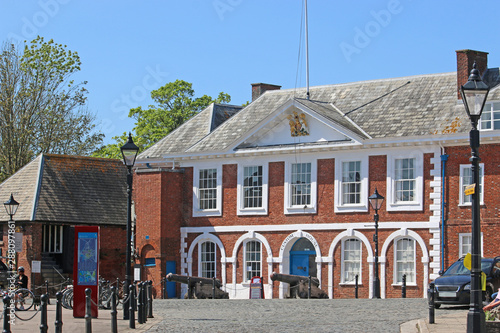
column 383, row 258
column 350, row 233
column 252, row 235
column 147, row 271
column 284, row 255
column 208, row 237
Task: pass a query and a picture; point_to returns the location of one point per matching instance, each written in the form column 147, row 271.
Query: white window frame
column 461, row 237
column 395, row 271
column 197, row 212
column 488, row 109
column 240, row 200
column 481, row 184
column 245, row 278
column 200, row 262
column 298, row 209
column 351, row 208
column 418, row 203
column 343, row 265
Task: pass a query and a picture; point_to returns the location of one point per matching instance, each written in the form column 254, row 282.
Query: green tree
column 175, row 103
column 41, row 109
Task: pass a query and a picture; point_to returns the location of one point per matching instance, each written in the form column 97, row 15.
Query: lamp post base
column 476, row 321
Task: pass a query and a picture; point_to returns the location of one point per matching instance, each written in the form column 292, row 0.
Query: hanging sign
column 470, row 189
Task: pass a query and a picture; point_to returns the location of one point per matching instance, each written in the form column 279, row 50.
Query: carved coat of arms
column 298, row 124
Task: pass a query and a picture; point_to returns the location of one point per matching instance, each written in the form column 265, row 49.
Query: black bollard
column 114, row 317
column 190, row 293
column 432, row 293
column 140, row 304
column 6, row 314
column 134, row 299
column 47, row 291
column 150, row 299
column 58, row 323
column 164, row 290
column 144, row 301
column 43, row 308
column 356, row 286
column 131, row 313
column 309, row 289
column 88, row 310
column 403, row 287
column 213, row 287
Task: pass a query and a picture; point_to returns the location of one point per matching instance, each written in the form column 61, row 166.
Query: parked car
column 453, row 286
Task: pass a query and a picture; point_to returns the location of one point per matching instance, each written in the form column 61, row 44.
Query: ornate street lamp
column 11, row 206
column 474, row 94
column 129, row 152
column 376, row 201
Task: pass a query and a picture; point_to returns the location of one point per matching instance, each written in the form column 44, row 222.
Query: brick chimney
column 465, row 60
column 260, row 88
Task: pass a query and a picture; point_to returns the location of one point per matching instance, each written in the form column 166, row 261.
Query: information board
column 85, row 269
column 256, row 291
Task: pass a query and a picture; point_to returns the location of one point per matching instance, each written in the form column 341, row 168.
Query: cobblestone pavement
column 289, row 315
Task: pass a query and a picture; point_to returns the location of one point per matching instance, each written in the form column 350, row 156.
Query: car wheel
column 437, row 306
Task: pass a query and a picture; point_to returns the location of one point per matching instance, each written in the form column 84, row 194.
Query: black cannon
column 299, row 285
column 200, row 287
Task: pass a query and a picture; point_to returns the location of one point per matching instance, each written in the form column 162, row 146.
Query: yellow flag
column 467, row 261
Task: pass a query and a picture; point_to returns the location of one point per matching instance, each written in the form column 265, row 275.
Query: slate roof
column 199, row 126
column 412, row 106
column 69, row 189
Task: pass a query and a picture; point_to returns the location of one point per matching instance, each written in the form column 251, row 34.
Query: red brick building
column 57, row 193
column 282, row 185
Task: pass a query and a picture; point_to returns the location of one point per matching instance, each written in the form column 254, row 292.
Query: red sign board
column 256, row 288
column 85, row 269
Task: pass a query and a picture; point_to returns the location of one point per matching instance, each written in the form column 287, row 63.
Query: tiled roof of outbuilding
column 69, row 189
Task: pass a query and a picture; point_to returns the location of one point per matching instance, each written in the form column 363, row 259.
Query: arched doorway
column 303, row 258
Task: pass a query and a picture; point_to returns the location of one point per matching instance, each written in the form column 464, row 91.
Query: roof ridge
column 360, row 82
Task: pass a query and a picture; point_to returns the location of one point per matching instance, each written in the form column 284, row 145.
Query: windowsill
column 413, row 284
column 351, row 208
column 469, row 204
column 252, row 211
column 207, row 212
column 349, row 284
column 300, row 210
column 405, row 206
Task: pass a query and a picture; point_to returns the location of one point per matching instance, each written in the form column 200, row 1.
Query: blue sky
column 129, row 48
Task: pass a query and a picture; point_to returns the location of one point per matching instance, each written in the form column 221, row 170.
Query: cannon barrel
column 293, row 279
column 192, row 279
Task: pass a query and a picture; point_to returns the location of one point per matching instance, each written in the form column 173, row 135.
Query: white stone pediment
column 295, row 124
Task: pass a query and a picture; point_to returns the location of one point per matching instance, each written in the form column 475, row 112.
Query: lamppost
column 474, row 94
column 11, row 206
column 129, row 152
column 376, row 201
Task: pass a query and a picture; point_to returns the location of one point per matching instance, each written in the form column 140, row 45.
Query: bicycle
column 24, row 299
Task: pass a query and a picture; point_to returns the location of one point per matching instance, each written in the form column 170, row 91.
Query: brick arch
column 206, row 236
column 284, row 254
column 150, row 273
column 252, row 235
column 425, row 257
column 350, row 233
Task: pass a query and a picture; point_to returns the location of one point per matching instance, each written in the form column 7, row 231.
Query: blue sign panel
column 87, row 258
